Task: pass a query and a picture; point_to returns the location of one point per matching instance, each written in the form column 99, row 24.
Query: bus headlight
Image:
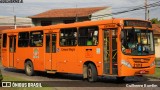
column 152, row 64
column 125, row 63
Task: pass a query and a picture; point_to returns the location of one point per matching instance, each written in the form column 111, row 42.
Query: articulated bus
column 113, row 47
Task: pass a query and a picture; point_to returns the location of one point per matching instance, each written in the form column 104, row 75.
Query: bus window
column 12, row 44
column 4, row 40
column 88, row 36
column 36, row 39
column 138, row 41
column 23, row 39
column 48, row 43
column 54, row 43
column 68, row 37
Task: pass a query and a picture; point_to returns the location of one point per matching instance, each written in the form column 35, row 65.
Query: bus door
column 12, row 49
column 50, row 51
column 110, row 52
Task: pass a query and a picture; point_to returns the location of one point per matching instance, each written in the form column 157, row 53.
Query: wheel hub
column 89, row 72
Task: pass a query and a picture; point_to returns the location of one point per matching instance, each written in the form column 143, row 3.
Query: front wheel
column 92, row 73
column 120, row 79
column 29, row 69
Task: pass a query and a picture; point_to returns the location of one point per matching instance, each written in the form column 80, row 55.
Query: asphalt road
column 74, row 82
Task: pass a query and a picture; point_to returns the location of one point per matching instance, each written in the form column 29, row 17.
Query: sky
column 32, row 7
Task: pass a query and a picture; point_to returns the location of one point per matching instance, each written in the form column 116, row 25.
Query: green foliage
column 155, row 21
column 157, row 73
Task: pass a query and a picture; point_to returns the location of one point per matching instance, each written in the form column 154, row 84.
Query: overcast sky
column 32, row 7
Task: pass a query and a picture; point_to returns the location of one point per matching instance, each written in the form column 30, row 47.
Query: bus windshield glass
column 137, row 42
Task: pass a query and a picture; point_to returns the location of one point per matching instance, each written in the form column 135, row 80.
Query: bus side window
column 88, row 36
column 68, row 37
column 48, row 43
column 23, row 39
column 54, row 43
column 36, row 39
column 4, row 40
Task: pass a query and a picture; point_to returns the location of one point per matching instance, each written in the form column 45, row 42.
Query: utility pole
column 148, row 15
column 76, row 14
column 15, row 26
column 146, row 10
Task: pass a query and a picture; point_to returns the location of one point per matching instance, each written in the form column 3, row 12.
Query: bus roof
column 76, row 24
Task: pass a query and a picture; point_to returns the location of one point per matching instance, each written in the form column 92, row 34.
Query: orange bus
column 114, row 47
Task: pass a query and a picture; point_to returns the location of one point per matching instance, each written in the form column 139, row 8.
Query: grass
column 157, row 58
column 9, row 78
column 157, row 70
column 157, row 62
column 43, row 88
column 157, row 73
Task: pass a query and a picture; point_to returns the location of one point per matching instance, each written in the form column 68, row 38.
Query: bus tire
column 92, row 73
column 29, row 69
column 120, row 79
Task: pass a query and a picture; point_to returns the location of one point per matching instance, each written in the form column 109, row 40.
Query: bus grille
column 140, row 60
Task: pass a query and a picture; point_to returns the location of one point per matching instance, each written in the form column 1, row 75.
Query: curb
column 152, row 77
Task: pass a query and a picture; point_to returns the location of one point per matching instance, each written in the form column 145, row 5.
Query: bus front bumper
column 125, row 71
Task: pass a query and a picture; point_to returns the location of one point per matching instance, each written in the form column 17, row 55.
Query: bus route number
column 138, row 65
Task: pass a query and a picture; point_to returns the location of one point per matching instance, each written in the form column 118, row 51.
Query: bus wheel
column 91, row 73
column 120, row 79
column 29, row 68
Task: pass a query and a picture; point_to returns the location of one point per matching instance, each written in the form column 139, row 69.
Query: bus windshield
column 137, row 42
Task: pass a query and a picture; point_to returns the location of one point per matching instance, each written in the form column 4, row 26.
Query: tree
column 155, row 21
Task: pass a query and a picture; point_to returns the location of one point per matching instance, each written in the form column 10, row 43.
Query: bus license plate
column 138, row 65
column 142, row 72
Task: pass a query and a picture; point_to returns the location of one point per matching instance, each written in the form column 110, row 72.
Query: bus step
column 53, row 71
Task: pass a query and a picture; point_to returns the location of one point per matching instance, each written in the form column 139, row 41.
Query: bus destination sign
column 137, row 23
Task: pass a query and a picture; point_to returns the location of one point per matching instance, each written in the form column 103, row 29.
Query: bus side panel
column 67, row 61
column 93, row 54
column 72, row 59
column 5, row 54
column 38, row 58
column 4, row 57
column 21, row 55
column 33, row 54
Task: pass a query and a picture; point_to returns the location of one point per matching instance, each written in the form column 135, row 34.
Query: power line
column 139, row 8
column 130, row 10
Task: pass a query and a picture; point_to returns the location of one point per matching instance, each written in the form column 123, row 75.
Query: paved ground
column 75, row 82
